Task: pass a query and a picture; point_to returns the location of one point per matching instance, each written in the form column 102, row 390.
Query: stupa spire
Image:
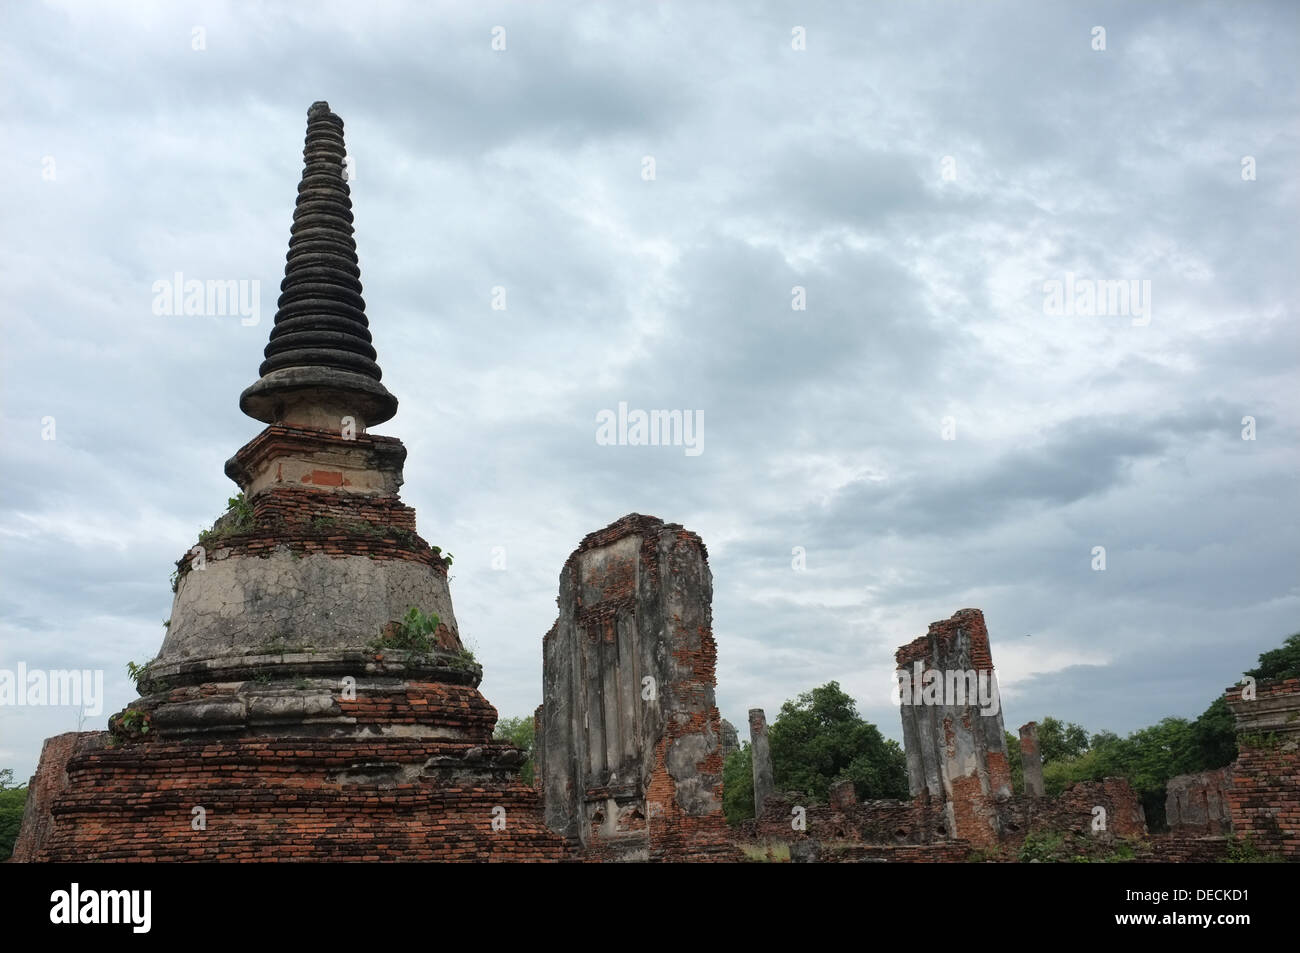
column 320, row 363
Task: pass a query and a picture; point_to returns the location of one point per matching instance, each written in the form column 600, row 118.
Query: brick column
column 759, row 748
column 1030, row 759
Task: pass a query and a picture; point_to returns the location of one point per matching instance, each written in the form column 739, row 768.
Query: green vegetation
column 416, row 634
column 13, row 798
column 237, row 519
column 519, row 732
column 463, row 661
column 766, row 853
column 1281, row 662
column 1150, row 756
column 817, row 739
column 1054, row 847
column 133, row 723
column 1243, row 851
column 738, row 785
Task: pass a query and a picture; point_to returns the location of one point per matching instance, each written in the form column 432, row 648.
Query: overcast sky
column 920, row 170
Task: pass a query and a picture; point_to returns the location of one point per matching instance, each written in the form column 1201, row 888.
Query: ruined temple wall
column 44, row 788
column 1076, row 810
column 883, row 821
column 1198, row 803
column 956, row 751
column 1264, row 800
column 629, row 751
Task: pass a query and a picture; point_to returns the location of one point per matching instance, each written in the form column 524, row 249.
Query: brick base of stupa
column 374, row 795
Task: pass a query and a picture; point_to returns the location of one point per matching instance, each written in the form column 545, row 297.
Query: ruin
column 959, row 777
column 761, row 755
column 1199, row 803
column 962, row 806
column 730, row 739
column 956, row 747
column 312, row 698
column 629, row 745
column 1264, row 798
column 1031, row 762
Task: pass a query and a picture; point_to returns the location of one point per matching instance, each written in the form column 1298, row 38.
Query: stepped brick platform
column 284, row 799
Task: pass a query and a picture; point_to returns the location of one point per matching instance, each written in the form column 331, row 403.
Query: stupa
column 312, row 699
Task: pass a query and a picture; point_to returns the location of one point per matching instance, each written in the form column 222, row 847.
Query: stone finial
column 320, row 365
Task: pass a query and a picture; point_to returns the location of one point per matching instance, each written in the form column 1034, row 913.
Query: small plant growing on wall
column 237, row 519
column 137, row 672
column 132, row 724
column 415, row 633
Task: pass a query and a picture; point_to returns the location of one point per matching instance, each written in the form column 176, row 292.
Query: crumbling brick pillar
column 1265, row 795
column 1030, row 760
column 630, row 742
column 843, row 797
column 761, row 751
column 952, row 726
column 1198, row 803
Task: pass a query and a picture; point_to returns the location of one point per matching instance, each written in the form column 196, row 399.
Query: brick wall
column 419, row 779
column 1074, row 810
column 45, row 786
column 388, row 799
column 1264, row 800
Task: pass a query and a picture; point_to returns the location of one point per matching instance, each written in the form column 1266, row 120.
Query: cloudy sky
column 922, row 171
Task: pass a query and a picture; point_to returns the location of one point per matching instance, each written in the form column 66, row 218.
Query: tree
column 1014, row 762
column 1214, row 736
column 738, row 785
column 519, row 732
column 1150, row 756
column 1058, row 741
column 1281, row 662
column 12, row 801
column 819, row 738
